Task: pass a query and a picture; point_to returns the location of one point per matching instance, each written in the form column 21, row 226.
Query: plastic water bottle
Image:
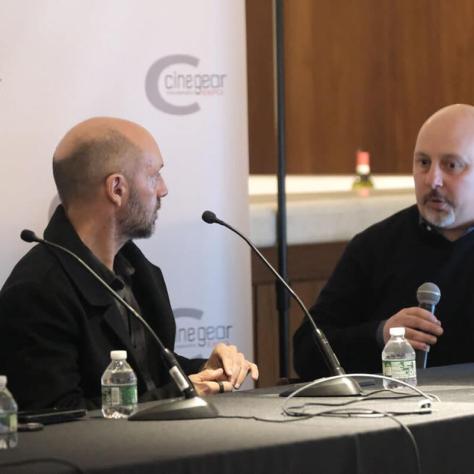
column 8, row 416
column 398, row 359
column 119, row 387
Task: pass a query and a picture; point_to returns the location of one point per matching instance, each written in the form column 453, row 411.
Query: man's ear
column 116, row 189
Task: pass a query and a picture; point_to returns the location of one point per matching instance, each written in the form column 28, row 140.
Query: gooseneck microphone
column 191, row 406
column 340, row 387
column 428, row 296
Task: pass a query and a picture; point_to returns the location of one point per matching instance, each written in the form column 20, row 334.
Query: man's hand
column 235, row 366
column 209, row 381
column 421, row 327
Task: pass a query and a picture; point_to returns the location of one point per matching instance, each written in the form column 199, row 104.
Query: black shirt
column 121, row 281
column 377, row 276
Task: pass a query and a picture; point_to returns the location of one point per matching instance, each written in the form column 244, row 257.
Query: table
column 227, row 446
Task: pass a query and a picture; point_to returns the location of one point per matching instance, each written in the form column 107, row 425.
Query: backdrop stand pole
column 283, row 300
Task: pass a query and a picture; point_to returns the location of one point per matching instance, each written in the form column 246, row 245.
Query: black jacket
column 58, row 325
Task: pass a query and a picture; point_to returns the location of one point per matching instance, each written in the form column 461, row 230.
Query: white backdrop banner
column 179, row 69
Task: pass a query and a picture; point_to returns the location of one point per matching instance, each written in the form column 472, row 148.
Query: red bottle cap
column 363, row 157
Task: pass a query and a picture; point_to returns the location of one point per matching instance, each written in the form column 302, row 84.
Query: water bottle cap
column 397, row 331
column 3, row 381
column 118, row 355
column 363, row 158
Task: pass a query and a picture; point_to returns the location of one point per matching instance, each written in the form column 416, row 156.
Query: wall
column 63, row 62
column 359, row 74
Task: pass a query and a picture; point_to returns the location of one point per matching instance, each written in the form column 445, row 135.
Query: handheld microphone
column 192, row 406
column 428, row 296
column 344, row 386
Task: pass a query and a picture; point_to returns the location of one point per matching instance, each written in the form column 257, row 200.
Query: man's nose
column 434, row 177
column 162, row 189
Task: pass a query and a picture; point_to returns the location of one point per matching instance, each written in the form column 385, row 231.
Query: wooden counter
column 319, row 226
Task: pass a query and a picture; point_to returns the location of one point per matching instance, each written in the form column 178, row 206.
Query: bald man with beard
column 58, row 324
column 374, row 285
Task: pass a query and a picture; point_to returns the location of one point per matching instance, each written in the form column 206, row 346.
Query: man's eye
column 454, row 166
column 423, row 162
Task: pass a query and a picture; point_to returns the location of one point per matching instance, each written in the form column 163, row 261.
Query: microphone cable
column 429, row 397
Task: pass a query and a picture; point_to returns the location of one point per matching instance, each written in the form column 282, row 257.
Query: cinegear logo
column 172, row 77
column 191, row 334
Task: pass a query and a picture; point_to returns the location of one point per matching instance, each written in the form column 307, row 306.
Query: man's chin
column 441, row 220
column 142, row 233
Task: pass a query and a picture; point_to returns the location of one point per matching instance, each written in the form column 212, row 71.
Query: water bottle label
column 399, row 369
column 114, row 395
column 13, row 422
column 8, row 423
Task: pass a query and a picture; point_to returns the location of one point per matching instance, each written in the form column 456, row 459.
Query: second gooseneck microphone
column 341, row 387
column 428, row 296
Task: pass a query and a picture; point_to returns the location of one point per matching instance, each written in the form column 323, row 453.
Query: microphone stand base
column 176, row 409
column 342, row 387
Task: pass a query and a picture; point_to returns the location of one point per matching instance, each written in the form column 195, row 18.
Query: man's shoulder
column 393, row 225
column 391, row 232
column 37, row 267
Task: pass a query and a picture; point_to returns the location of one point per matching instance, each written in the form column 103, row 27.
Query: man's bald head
column 456, row 119
column 443, row 169
column 95, row 149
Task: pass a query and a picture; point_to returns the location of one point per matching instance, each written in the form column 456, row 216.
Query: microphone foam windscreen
column 428, row 293
column 209, row 217
column 28, row 236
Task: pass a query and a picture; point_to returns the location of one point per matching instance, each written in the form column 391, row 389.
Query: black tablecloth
column 228, row 446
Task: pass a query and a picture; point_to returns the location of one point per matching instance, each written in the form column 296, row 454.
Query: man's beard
column 137, row 222
column 443, row 218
